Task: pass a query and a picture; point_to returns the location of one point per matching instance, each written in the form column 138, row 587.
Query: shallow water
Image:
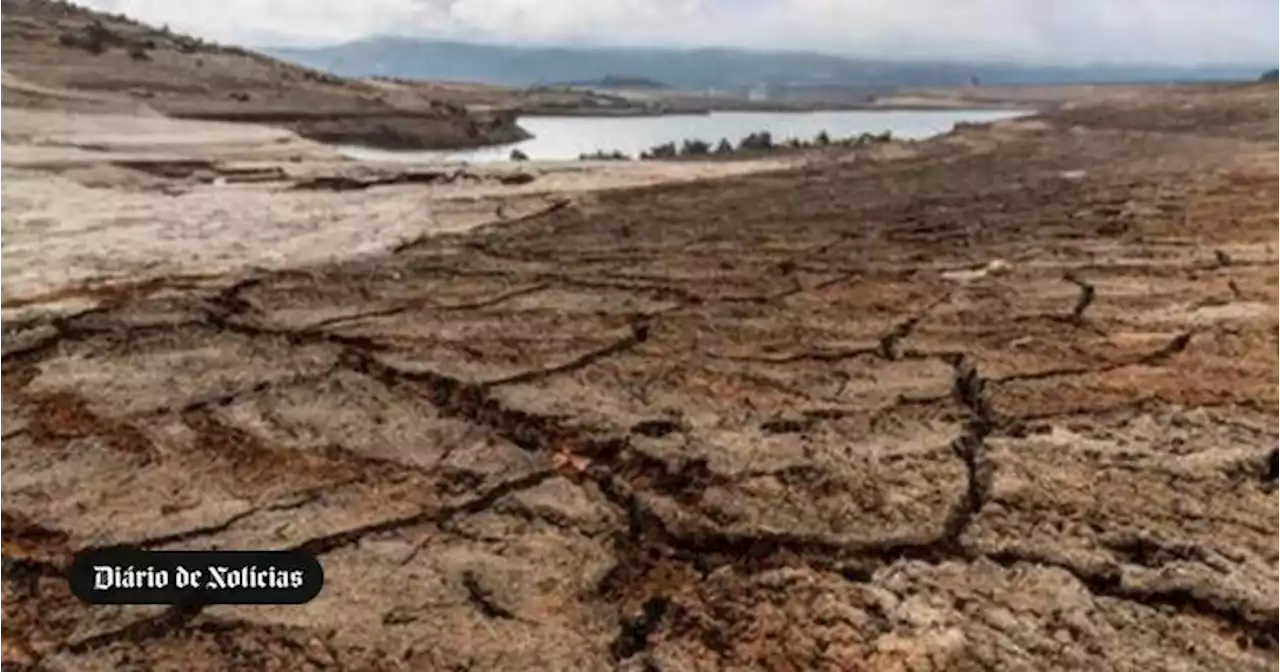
column 564, row 138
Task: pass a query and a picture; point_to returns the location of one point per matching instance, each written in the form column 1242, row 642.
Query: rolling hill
column 57, row 54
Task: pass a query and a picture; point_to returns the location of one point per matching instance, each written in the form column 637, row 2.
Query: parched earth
column 1009, row 404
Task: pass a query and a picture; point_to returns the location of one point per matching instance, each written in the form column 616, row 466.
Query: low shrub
column 663, row 151
column 762, row 141
column 695, row 148
column 601, row 155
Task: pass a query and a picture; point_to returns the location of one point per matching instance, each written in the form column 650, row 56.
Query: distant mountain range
column 701, row 68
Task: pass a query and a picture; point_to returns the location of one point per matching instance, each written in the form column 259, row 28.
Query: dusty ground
column 93, row 200
column 1007, row 403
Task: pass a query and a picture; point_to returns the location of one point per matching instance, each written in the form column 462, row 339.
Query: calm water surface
column 565, row 138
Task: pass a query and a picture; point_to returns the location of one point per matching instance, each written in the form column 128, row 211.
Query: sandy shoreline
column 83, row 203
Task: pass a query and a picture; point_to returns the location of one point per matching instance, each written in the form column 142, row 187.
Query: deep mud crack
column 760, row 423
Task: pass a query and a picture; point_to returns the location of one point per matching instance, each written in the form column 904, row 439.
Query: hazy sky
column 1065, row 31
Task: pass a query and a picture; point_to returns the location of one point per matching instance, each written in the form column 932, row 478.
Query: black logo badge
column 133, row 576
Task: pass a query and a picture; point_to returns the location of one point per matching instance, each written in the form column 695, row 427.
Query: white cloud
column 1171, row 31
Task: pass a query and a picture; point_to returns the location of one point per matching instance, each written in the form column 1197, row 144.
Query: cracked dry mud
column 1006, row 404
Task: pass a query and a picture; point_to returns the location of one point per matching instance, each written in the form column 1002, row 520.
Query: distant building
column 758, row 93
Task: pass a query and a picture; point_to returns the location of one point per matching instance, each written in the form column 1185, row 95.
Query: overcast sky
column 1065, row 31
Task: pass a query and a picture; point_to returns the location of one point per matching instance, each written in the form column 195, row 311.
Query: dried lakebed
column 1007, row 403
column 96, row 200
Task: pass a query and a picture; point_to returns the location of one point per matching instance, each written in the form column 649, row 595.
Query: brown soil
column 1006, row 403
column 57, row 53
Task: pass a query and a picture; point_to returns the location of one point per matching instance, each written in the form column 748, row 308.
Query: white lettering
column 188, row 578
column 254, row 578
column 108, row 577
column 102, row 577
column 217, row 578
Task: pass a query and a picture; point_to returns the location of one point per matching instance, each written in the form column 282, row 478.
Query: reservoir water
column 565, row 138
